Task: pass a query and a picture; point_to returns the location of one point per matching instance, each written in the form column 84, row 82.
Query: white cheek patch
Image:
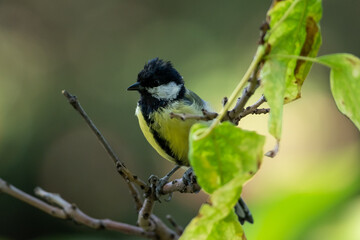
column 168, row 91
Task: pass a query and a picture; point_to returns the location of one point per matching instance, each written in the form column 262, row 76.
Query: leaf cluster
column 224, row 156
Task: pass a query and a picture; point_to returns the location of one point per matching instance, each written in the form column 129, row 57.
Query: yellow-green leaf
column 294, row 30
column 222, row 161
column 217, row 220
column 345, row 83
column 274, row 90
column 225, row 153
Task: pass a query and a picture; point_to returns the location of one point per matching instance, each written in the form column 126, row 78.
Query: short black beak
column 135, row 87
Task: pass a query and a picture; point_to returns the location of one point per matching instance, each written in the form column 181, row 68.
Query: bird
column 162, row 93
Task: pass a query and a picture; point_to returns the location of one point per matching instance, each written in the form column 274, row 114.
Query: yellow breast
column 174, row 131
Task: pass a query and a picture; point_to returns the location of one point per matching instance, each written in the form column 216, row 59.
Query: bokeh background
column 95, row 49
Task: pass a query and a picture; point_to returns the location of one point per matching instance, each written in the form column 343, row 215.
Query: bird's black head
column 158, row 72
column 159, row 80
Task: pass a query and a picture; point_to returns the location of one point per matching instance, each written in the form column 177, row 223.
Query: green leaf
column 228, row 228
column 218, row 220
column 345, row 83
column 294, row 30
column 273, row 75
column 222, row 161
column 225, row 153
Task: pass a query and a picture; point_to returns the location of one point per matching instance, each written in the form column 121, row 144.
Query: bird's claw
column 157, row 184
column 189, row 179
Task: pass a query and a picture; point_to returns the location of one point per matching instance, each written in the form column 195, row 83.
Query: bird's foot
column 157, row 184
column 189, row 179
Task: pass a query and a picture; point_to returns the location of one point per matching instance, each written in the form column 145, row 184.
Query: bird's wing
column 192, row 98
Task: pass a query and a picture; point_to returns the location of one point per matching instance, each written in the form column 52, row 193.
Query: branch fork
column 149, row 225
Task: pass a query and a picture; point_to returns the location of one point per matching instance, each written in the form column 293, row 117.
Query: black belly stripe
column 146, row 109
column 148, row 105
column 165, row 145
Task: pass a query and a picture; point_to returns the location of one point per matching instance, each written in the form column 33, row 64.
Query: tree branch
column 150, row 226
column 178, row 185
column 57, row 207
column 136, row 196
column 123, row 171
column 150, row 222
column 146, row 219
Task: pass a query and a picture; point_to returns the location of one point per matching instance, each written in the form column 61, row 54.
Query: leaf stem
column 310, row 59
column 257, row 59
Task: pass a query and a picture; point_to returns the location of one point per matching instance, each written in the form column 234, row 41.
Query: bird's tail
column 243, row 212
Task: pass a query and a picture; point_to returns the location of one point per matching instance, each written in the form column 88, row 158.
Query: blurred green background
column 95, row 49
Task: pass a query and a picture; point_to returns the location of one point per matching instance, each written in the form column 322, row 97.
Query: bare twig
column 149, row 221
column 178, row 185
column 253, row 109
column 66, row 210
column 247, row 93
column 162, row 231
column 124, row 172
column 207, row 116
column 136, row 195
column 144, row 221
column 179, row 229
column 260, row 111
column 144, row 217
column 257, row 104
column 150, row 226
column 18, row 194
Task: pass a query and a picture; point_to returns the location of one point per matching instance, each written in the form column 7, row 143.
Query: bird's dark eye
column 157, row 82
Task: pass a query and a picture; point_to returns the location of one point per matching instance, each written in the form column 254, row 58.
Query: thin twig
column 179, row 229
column 144, row 221
column 253, row 109
column 249, row 72
column 66, row 210
column 124, row 172
column 207, row 116
column 162, row 231
column 247, row 93
column 259, row 111
column 149, row 221
column 136, row 195
column 18, row 194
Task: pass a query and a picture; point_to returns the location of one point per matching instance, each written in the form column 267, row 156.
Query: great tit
column 162, row 92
